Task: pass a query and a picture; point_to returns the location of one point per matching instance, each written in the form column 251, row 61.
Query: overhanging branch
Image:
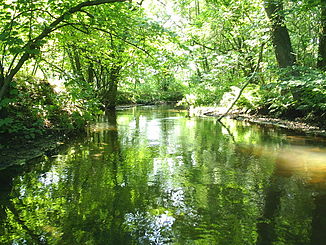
column 124, row 40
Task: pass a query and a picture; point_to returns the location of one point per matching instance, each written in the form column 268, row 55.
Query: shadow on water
column 7, row 190
column 152, row 175
column 271, row 226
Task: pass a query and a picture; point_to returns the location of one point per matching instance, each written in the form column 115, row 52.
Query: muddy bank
column 22, row 151
column 297, row 126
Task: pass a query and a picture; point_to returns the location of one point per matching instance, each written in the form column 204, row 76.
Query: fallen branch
column 249, row 79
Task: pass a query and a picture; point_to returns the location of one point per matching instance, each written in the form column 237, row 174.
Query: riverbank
column 24, row 151
column 298, row 126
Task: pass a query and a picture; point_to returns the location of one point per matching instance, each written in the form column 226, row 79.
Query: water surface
column 151, row 175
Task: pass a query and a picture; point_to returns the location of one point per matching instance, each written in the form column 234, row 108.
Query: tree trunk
column 321, row 63
column 90, row 75
column 280, row 35
column 111, row 94
column 8, row 79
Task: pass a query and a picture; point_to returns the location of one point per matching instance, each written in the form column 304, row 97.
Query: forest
column 64, row 62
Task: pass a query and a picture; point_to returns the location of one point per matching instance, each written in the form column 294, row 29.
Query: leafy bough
column 33, row 46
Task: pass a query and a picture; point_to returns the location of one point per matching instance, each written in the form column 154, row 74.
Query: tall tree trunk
column 322, row 39
column 91, row 75
column 111, row 94
column 8, row 79
column 2, row 75
column 76, row 63
column 280, row 35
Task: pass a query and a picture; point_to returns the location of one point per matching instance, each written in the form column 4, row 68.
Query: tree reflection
column 266, row 229
column 159, row 178
column 318, row 236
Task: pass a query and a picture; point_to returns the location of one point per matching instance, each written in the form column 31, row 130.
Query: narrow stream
column 151, row 175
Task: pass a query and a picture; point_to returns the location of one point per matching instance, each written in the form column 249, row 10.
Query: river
column 152, row 175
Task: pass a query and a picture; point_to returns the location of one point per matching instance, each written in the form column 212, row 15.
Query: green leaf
column 6, row 121
column 14, row 92
column 15, row 50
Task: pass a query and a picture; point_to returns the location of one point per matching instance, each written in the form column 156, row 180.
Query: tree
column 280, row 34
column 30, row 45
column 321, row 63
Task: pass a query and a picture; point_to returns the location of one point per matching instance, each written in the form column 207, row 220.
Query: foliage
column 33, row 107
column 91, row 52
column 225, row 41
column 109, row 53
column 296, row 96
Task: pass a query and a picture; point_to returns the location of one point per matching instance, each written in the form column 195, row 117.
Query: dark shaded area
column 318, row 236
column 266, row 228
column 321, row 63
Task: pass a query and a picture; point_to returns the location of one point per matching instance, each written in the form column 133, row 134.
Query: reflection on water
column 307, row 162
column 154, row 176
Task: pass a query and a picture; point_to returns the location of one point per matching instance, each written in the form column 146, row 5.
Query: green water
column 152, row 175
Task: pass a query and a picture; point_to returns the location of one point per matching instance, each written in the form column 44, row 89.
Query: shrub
column 300, row 95
column 33, row 108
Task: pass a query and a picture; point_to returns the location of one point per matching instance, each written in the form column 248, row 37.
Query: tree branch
column 203, row 45
column 69, row 12
column 73, row 25
column 124, row 40
column 62, row 71
column 249, row 79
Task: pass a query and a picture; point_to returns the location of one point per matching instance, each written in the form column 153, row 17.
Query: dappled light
column 163, row 178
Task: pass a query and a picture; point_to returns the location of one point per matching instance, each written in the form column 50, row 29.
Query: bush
column 33, row 108
column 301, row 95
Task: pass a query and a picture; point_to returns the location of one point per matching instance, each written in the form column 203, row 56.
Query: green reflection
column 153, row 176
